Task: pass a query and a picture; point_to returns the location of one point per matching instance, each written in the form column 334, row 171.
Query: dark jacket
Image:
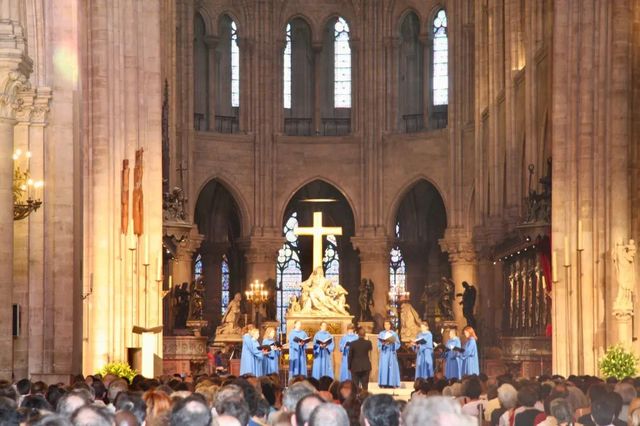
column 359, row 355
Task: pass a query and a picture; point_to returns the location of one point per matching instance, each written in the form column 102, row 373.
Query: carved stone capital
column 185, row 238
column 41, row 106
column 372, row 249
column 459, row 246
column 261, row 249
column 10, row 85
column 24, row 106
column 211, row 41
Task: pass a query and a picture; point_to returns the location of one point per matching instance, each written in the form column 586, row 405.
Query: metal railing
column 298, row 126
column 227, row 124
column 336, row 126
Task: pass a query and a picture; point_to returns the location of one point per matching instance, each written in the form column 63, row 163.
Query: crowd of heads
column 230, row 400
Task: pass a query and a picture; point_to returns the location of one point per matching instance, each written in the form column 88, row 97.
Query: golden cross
column 318, row 231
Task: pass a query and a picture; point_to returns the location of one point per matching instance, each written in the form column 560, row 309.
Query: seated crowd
column 248, row 400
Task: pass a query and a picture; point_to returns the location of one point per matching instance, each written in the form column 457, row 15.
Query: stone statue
column 446, row 298
column 320, row 296
column 294, row 305
column 365, row 299
column 468, row 302
column 137, row 201
column 409, row 321
column 124, row 198
column 173, row 205
column 181, row 304
column 623, row 257
column 230, row 323
column 196, row 306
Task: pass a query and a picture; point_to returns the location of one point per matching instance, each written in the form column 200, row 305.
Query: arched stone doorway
column 340, row 261
column 420, row 222
column 221, row 259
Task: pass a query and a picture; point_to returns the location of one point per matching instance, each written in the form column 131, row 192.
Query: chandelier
column 26, row 191
column 257, row 295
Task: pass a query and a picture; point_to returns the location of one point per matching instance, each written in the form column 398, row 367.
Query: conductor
column 359, row 361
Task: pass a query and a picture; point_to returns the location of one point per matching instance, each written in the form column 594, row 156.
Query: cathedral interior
column 164, row 153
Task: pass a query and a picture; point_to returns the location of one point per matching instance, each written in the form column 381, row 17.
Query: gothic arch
column 346, row 16
column 292, row 193
column 398, row 21
column 310, row 23
column 234, row 17
column 404, row 190
column 206, row 16
column 236, row 194
column 433, row 11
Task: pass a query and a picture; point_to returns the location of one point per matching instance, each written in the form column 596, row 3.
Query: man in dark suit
column 359, row 361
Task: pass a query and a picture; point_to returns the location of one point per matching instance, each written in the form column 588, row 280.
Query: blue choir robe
column 424, row 356
column 470, row 364
column 322, row 362
column 345, row 374
column 252, row 357
column 297, row 354
column 388, row 369
column 453, row 361
column 271, row 360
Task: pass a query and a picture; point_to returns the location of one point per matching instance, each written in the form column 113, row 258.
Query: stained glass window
column 342, row 63
column 331, row 261
column 440, row 59
column 397, row 267
column 235, row 67
column 197, row 267
column 287, row 69
column 224, row 270
column 288, row 272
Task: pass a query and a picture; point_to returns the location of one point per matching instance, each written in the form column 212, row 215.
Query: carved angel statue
column 623, row 257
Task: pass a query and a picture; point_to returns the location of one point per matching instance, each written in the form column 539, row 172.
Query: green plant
column 120, row 369
column 619, row 363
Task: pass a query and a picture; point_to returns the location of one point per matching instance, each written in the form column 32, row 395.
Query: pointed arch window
column 288, row 271
column 440, row 77
column 286, row 76
column 331, row 260
column 224, row 271
column 235, row 67
column 197, row 267
column 397, row 267
column 342, row 65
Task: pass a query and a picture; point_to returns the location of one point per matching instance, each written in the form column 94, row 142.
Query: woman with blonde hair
column 158, row 407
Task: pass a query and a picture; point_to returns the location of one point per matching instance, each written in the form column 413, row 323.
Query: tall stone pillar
column 14, row 70
column 464, row 265
column 374, row 264
column 260, row 256
column 186, row 246
column 211, row 43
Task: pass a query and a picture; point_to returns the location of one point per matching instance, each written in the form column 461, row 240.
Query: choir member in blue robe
column 470, row 364
column 252, row 357
column 322, row 362
column 271, row 361
column 424, row 352
column 453, row 361
column 388, row 369
column 297, row 351
column 345, row 374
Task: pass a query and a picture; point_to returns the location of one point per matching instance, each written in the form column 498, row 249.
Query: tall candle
column 170, row 281
column 579, row 235
column 146, row 250
column 567, row 254
column 159, row 268
column 554, row 267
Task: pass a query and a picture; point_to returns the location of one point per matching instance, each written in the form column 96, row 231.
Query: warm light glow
column 554, row 267
column 148, row 345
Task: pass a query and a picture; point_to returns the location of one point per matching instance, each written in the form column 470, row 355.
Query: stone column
column 317, row 87
column 182, row 266
column 211, row 43
column 374, row 264
column 464, row 264
column 260, row 256
column 14, row 69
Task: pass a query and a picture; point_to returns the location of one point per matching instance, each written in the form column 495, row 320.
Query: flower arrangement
column 618, row 362
column 120, row 369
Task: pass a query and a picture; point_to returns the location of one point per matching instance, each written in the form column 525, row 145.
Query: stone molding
column 459, row 246
column 186, row 238
column 33, row 105
column 261, row 249
column 372, row 249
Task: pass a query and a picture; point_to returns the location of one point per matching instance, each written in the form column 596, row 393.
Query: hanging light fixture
column 26, row 191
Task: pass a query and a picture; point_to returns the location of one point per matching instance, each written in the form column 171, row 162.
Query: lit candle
column 554, row 267
column 146, row 250
column 567, row 254
column 132, row 237
column 159, row 268
column 579, row 235
column 170, row 281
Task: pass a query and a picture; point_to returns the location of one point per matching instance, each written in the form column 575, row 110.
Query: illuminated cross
column 317, row 231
